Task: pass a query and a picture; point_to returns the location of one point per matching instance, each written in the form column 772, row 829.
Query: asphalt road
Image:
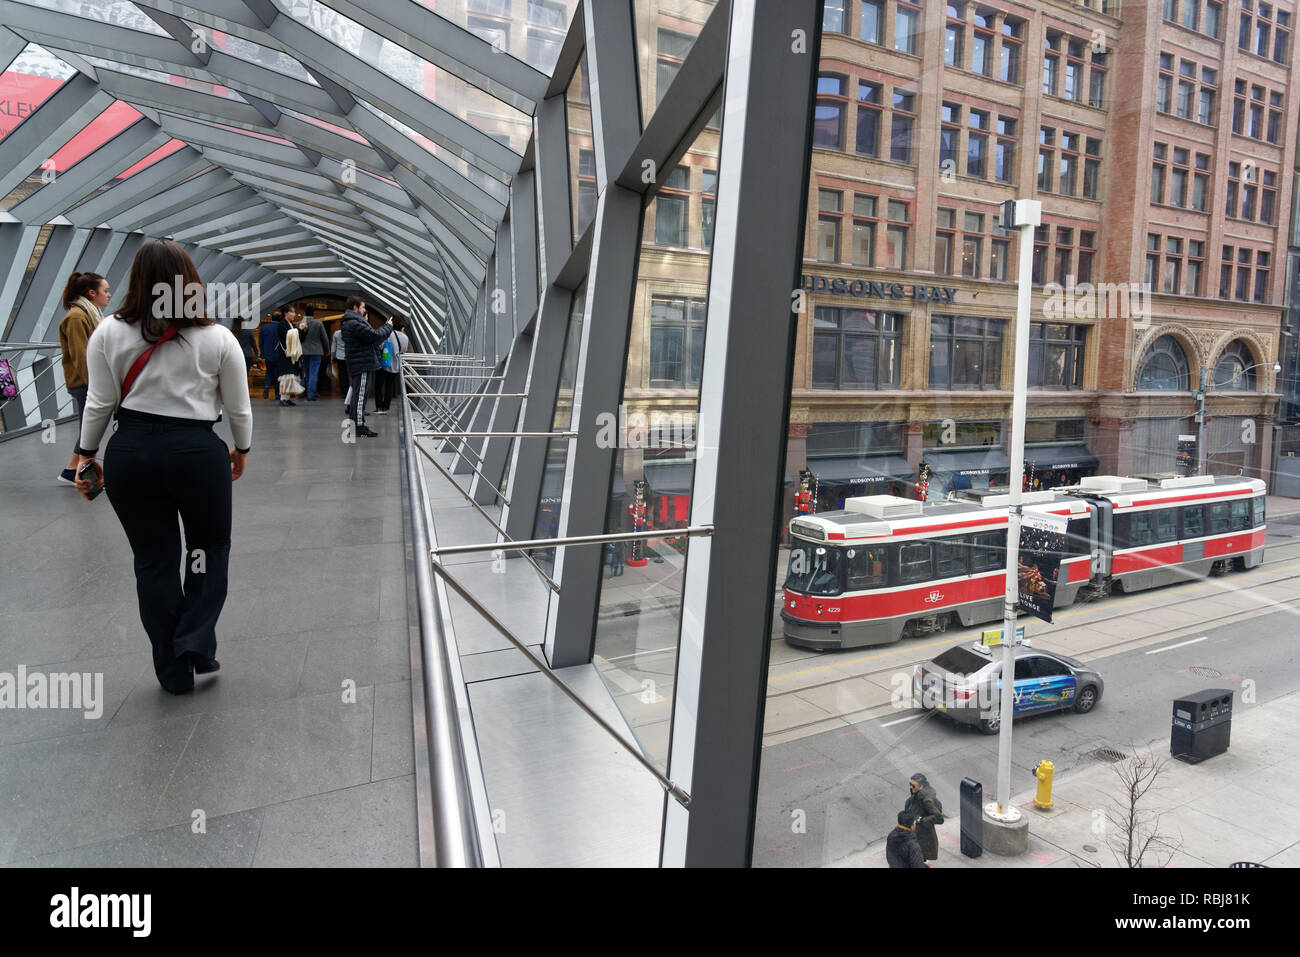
column 846, row 786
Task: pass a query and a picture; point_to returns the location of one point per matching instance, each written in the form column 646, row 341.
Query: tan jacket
column 74, row 331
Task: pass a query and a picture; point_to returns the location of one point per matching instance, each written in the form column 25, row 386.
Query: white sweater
column 192, row 376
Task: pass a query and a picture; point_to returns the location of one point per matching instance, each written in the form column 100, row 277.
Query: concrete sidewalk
column 1240, row 806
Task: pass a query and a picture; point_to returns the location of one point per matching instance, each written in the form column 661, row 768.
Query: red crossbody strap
column 139, row 363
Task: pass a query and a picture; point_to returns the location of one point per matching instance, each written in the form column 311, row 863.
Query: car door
column 1025, row 685
column 1054, row 683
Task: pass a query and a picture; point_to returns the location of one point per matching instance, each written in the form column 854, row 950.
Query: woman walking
column 386, row 378
column 923, row 807
column 169, row 376
column 84, row 296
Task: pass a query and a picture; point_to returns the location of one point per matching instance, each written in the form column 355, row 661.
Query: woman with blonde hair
column 169, row 371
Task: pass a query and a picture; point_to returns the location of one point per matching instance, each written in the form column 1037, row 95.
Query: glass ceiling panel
column 340, row 130
column 30, row 80
column 254, row 53
column 117, row 117
column 120, row 13
column 162, row 152
column 529, row 30
column 233, row 129
column 464, row 100
column 203, row 86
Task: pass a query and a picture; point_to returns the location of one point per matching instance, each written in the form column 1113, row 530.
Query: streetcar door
column 1103, row 539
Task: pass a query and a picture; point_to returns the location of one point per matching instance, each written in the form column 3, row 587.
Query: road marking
column 912, row 717
column 1181, row 644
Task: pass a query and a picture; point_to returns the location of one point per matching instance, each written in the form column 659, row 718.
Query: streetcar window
column 1259, row 510
column 960, row 661
column 914, row 562
column 814, row 569
column 1240, row 514
column 1078, row 540
column 865, row 567
column 950, row 557
column 1140, row 528
column 988, row 552
column 1166, row 525
column 1218, row 518
column 1193, row 521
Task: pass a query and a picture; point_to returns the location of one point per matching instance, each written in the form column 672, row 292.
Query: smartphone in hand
column 90, row 472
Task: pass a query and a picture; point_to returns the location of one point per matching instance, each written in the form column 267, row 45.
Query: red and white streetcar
column 884, row 567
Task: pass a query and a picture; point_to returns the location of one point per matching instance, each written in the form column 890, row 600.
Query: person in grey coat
column 315, row 347
column 924, row 806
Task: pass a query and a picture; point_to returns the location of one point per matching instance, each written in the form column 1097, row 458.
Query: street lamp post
column 1201, row 456
column 1025, row 215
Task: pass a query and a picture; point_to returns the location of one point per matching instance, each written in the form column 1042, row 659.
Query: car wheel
column 1086, row 700
column 991, row 725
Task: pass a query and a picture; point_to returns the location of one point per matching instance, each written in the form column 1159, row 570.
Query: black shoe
column 264, row 392
column 290, row 402
column 311, row 398
column 283, row 402
column 203, row 665
column 367, row 433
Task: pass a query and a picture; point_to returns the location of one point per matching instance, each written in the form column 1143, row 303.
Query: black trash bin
column 1202, row 725
column 972, row 817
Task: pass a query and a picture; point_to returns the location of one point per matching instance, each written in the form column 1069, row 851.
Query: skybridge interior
column 496, row 171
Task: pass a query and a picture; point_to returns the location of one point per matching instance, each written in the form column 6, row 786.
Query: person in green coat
column 925, row 807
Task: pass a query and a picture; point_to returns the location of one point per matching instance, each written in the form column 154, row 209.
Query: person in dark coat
column 362, row 344
column 901, row 847
column 925, row 807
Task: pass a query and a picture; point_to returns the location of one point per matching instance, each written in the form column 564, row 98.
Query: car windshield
column 814, row 569
column 960, row 661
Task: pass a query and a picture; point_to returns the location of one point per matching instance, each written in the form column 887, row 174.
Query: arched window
column 1164, row 367
column 1234, row 371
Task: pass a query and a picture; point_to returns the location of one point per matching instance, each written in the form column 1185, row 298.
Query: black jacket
column 361, row 343
column 903, row 850
column 925, row 805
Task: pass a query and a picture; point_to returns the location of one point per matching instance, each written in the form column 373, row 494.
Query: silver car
column 964, row 683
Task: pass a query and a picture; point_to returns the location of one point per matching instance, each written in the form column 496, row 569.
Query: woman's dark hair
column 164, row 289
column 920, row 779
column 80, row 284
column 398, row 321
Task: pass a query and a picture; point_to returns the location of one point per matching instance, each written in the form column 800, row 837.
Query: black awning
column 865, row 470
column 670, row 479
column 971, row 462
column 1061, row 457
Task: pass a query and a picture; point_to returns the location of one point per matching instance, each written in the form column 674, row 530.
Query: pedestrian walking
column 170, row 376
column 84, row 296
column 270, row 342
column 315, row 347
column 340, row 355
column 362, row 344
column 923, row 806
column 901, row 847
column 619, row 559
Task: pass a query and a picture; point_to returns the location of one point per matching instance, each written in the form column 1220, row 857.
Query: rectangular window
column 676, row 341
column 871, row 19
column 828, row 119
column 856, row 349
column 1193, row 521
column 1213, row 12
column 1009, row 71
column 833, row 16
column 965, row 352
column 905, row 21
column 900, row 138
column 1056, row 355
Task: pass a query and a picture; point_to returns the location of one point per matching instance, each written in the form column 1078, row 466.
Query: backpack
column 388, row 357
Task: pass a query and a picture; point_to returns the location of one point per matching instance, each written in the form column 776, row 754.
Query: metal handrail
column 690, row 531
column 512, row 435
column 455, row 840
column 28, row 346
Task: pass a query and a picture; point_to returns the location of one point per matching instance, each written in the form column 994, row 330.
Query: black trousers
column 158, row 470
column 385, row 388
column 360, row 391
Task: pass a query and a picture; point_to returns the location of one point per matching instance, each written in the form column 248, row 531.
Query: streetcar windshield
column 814, row 569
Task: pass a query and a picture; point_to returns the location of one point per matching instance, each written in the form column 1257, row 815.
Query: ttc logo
column 934, row 597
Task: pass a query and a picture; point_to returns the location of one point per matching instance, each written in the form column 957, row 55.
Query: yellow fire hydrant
column 1043, row 799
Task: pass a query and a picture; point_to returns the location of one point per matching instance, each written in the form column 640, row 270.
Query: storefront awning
column 670, row 479
column 972, row 462
column 865, row 470
column 1061, row 457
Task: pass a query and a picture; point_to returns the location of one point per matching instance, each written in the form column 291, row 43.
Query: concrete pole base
column 1006, row 838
